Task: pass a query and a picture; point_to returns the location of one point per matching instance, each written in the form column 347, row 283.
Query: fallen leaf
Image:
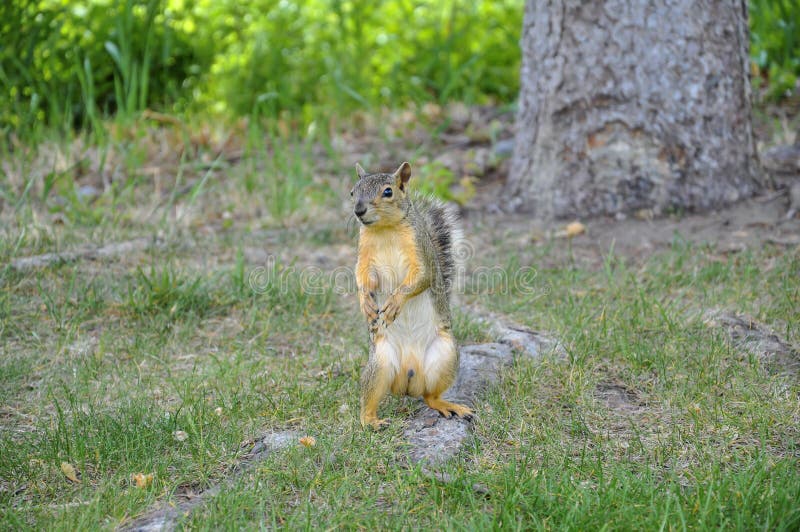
column 142, row 481
column 538, row 235
column 574, row 229
column 431, row 110
column 70, row 472
column 180, row 435
column 308, row 441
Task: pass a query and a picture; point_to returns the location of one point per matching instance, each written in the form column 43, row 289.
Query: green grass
column 103, row 363
column 229, row 327
column 651, row 421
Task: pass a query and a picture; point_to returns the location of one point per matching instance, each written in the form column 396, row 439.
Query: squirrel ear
column 402, row 175
column 360, row 171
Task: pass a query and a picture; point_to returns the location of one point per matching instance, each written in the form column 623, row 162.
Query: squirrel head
column 381, row 200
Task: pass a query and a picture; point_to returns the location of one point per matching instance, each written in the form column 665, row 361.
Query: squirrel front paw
column 392, row 308
column 369, row 308
column 375, row 324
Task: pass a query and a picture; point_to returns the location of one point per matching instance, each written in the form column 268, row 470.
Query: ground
column 671, row 400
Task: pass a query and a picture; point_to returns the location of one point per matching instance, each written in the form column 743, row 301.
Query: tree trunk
column 630, row 105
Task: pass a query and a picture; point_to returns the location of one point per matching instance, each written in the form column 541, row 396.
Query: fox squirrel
column 406, row 266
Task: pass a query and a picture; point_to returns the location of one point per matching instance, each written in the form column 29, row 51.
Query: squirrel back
column 441, row 223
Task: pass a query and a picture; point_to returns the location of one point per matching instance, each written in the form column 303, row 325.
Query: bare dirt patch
column 618, row 397
column 747, row 225
column 757, row 338
column 108, row 251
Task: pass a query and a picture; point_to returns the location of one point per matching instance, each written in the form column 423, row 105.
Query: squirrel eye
column 351, row 192
column 387, row 193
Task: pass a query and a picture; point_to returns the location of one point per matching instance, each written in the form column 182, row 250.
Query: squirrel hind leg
column 441, row 365
column 376, row 380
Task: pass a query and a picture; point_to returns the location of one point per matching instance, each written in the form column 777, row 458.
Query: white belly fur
column 412, row 341
column 415, row 327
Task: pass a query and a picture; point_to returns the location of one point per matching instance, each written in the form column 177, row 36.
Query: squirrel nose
column 360, row 209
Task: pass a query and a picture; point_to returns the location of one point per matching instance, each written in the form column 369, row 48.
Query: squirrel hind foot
column 447, row 409
column 380, row 424
column 376, row 423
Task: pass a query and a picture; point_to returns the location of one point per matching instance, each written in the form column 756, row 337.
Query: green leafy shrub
column 74, row 61
column 775, row 43
column 298, row 57
column 69, row 63
column 61, row 62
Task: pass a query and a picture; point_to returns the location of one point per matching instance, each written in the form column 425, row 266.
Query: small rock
column 480, row 163
column 88, row 192
column 459, row 115
column 429, row 422
column 504, row 148
column 438, row 476
column 255, row 255
column 794, row 201
column 480, row 489
column 449, row 160
column 782, row 159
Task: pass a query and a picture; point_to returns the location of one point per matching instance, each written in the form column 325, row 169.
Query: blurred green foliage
column 65, row 62
column 68, row 62
column 775, row 44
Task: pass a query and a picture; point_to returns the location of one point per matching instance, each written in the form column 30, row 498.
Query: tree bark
column 630, row 105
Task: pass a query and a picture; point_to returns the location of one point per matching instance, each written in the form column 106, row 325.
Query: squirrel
column 406, row 267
